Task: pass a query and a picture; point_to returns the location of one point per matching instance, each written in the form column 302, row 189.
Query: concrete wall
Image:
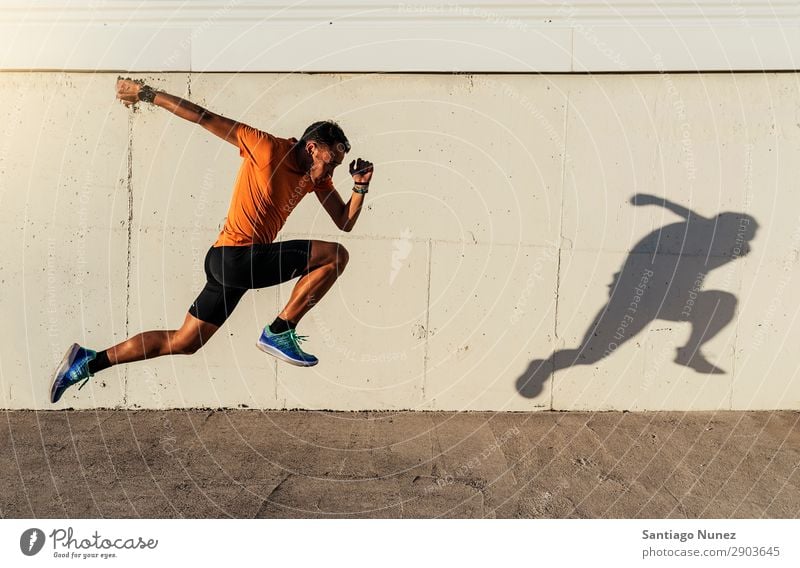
column 356, row 36
column 499, row 241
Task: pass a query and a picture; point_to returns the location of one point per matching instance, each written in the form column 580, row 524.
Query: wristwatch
column 147, row 94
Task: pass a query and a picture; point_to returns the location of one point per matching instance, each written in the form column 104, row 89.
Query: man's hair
column 326, row 132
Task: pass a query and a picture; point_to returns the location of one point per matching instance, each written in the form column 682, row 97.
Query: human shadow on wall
column 661, row 279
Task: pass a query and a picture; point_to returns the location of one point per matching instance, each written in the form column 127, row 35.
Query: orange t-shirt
column 269, row 186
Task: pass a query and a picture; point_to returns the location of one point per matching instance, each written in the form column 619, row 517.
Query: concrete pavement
column 244, row 464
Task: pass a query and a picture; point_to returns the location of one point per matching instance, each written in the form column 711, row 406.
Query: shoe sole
column 269, row 350
column 66, row 363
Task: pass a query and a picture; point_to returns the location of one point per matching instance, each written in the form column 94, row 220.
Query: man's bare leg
column 192, row 335
column 80, row 363
column 326, row 264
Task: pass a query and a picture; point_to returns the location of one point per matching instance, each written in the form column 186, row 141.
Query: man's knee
column 336, row 255
column 325, row 253
column 185, row 345
column 342, row 257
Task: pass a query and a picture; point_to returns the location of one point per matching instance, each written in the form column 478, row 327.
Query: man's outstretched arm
column 128, row 91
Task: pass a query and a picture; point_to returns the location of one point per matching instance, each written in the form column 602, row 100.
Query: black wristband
column 361, row 188
column 147, row 94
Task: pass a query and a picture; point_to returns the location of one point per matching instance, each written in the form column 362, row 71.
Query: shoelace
column 84, row 368
column 297, row 339
column 294, row 339
column 86, row 380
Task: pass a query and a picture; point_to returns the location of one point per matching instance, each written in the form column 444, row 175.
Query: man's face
column 324, row 160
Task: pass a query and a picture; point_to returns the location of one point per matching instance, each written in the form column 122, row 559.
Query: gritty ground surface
column 326, row 464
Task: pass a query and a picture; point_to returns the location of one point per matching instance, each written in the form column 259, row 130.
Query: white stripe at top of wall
column 361, row 36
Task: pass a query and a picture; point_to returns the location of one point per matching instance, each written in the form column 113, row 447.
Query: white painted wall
column 517, row 36
column 498, row 217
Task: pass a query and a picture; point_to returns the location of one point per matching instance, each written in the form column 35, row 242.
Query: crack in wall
column 427, row 321
column 562, row 238
column 129, row 190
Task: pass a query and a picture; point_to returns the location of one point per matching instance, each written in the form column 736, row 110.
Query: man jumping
column 275, row 175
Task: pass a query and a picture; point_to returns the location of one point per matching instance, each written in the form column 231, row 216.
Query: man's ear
column 310, row 146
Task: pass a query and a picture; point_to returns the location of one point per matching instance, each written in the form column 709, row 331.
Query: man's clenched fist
column 128, row 91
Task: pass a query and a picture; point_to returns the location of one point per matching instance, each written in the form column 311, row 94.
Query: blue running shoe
column 74, row 368
column 286, row 347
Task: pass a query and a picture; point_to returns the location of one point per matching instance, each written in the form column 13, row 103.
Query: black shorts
column 232, row 271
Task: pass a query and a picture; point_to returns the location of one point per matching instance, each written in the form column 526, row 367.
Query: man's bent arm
column 352, row 211
column 344, row 215
column 223, row 127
